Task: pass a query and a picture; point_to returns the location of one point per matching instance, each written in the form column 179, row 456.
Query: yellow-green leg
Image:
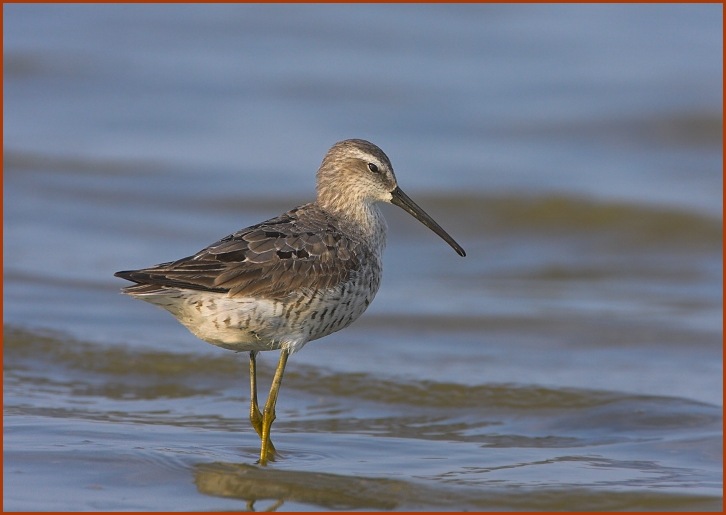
column 267, row 451
column 255, row 414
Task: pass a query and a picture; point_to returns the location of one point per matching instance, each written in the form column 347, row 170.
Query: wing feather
column 299, row 249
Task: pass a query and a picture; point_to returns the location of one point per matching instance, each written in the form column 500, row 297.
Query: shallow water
column 572, row 360
column 122, row 419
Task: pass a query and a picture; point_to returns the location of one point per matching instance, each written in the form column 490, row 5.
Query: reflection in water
column 317, row 490
column 251, row 483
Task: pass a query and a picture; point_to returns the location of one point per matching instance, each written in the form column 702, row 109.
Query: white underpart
column 259, row 324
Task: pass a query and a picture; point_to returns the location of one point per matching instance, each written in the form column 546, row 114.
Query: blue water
column 485, row 97
column 575, row 151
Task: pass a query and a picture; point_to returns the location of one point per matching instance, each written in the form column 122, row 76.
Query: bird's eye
column 373, row 168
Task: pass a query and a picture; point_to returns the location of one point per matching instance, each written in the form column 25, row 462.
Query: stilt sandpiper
column 292, row 279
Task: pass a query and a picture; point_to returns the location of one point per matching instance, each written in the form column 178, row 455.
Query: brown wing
column 299, row 249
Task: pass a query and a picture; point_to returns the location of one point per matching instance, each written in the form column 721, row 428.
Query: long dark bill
column 400, row 199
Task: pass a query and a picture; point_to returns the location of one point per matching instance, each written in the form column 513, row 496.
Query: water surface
column 572, row 360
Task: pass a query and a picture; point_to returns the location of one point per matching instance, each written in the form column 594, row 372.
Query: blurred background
column 575, row 151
